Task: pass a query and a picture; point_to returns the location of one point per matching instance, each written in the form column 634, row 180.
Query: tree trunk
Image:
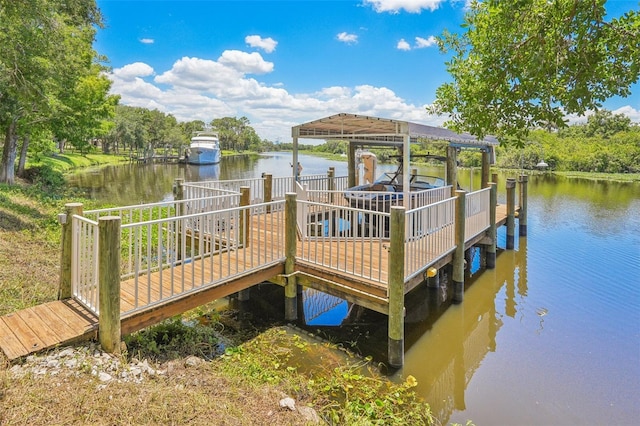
column 23, row 154
column 7, row 167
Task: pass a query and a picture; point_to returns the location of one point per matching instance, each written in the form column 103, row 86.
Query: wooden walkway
column 63, row 322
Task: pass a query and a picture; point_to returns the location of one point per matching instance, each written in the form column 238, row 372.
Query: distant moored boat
column 204, row 149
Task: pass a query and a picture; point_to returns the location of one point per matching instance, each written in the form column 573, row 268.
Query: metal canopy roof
column 383, row 131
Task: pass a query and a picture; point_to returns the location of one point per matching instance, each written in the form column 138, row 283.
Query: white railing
column 477, row 213
column 378, row 200
column 164, row 247
column 280, row 186
column 256, row 187
column 343, row 238
column 84, row 269
column 174, row 256
column 429, row 196
column 429, row 235
column 191, row 191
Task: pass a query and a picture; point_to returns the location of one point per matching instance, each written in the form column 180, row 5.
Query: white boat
column 204, row 149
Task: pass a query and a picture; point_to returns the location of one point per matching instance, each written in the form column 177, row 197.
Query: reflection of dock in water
column 454, row 340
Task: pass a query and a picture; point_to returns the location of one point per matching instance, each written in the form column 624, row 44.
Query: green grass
column 617, row 177
column 72, row 161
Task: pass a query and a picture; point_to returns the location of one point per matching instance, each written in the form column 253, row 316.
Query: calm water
column 551, row 336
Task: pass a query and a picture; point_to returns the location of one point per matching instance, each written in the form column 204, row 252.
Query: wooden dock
column 67, row 321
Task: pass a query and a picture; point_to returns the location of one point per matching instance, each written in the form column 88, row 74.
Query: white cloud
column 203, row 89
column 411, row 6
column 147, row 41
column 629, row 111
column 425, row 42
column 267, row 44
column 132, row 71
column 347, row 38
column 403, row 45
column 248, row 63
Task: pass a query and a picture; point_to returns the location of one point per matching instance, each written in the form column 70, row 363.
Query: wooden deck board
column 45, row 326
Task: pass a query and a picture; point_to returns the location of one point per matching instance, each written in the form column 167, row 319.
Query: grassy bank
column 242, row 380
column 72, row 161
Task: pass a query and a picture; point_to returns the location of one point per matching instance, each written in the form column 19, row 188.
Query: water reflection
column 447, row 347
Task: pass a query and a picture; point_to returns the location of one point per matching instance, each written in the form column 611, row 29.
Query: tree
column 45, row 47
column 235, row 133
column 524, row 64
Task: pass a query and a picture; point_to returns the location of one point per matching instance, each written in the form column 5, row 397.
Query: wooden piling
column 452, row 169
column 458, row 254
column 109, row 283
column 511, row 210
column 66, row 220
column 267, row 189
column 331, row 183
column 490, row 253
column 396, row 287
column 522, row 214
column 245, row 217
column 290, row 288
column 486, row 169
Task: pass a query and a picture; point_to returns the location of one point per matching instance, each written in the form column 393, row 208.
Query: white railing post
column 67, row 255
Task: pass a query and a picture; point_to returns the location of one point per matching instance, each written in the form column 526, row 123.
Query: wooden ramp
column 44, row 327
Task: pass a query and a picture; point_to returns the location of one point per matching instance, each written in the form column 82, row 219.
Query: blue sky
column 282, row 63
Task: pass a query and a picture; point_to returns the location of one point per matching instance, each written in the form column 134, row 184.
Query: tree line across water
column 510, row 77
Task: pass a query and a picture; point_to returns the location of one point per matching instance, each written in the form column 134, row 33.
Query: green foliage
column 171, row 339
column 349, row 393
column 521, row 65
column 46, row 180
column 235, row 133
column 575, row 150
column 46, row 57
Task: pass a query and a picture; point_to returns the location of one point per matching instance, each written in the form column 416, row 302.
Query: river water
column 551, row 336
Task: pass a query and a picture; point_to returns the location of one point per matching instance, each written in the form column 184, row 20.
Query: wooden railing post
column 178, row 195
column 490, row 257
column 396, row 287
column 511, row 209
column 109, row 331
column 291, row 239
column 331, row 183
column 486, row 169
column 458, row 254
column 66, row 220
column 245, row 201
column 522, row 214
column 267, row 189
column 452, row 169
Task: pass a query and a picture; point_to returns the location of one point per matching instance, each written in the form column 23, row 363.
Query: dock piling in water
column 396, row 287
column 290, row 288
column 459, row 253
column 522, row 214
column 511, row 212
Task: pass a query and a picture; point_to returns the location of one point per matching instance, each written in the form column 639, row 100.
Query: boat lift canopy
column 375, row 131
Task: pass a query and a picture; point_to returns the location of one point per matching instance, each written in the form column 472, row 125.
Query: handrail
column 429, row 235
column 84, row 266
column 343, row 239
column 477, row 213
